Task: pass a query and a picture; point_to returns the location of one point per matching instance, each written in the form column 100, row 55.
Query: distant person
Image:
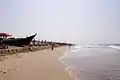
column 69, row 46
column 52, row 46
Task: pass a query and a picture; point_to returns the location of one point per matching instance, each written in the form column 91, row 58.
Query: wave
column 90, row 46
column 115, row 47
column 76, row 48
column 79, row 47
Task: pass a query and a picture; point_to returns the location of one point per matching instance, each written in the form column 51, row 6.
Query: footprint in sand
column 3, row 71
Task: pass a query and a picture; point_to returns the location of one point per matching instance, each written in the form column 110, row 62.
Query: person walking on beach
column 52, row 46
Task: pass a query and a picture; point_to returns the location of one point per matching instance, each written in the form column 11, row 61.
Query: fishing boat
column 15, row 41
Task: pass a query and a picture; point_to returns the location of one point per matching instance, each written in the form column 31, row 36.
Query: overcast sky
column 79, row 21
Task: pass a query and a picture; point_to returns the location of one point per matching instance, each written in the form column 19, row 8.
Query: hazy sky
column 80, row 21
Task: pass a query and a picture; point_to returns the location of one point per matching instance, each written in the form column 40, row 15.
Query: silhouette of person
column 52, row 48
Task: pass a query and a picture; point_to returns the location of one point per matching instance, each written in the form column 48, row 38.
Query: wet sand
column 39, row 65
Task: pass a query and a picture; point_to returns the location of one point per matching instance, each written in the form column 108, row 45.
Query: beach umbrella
column 5, row 34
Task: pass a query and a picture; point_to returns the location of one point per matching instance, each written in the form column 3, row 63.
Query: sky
column 77, row 21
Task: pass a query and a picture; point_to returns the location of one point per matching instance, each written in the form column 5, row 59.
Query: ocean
column 93, row 62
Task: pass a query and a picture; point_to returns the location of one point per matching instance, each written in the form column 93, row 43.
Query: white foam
column 61, row 60
column 116, row 47
column 95, row 46
column 76, row 48
column 67, row 68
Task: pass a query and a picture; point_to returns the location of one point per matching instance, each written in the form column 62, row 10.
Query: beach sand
column 39, row 65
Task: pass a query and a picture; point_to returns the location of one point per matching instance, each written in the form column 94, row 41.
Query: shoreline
column 67, row 68
column 43, row 64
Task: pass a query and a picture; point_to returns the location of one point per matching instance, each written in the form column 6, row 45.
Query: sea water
column 93, row 62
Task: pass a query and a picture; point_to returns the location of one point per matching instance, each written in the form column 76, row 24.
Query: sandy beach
column 39, row 65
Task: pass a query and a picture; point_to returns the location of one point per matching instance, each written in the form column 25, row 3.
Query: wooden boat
column 18, row 41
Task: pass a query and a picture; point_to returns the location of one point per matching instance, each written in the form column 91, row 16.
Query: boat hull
column 18, row 41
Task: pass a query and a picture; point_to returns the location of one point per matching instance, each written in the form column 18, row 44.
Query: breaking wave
column 115, row 47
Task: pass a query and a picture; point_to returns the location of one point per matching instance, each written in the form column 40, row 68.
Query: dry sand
column 40, row 65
